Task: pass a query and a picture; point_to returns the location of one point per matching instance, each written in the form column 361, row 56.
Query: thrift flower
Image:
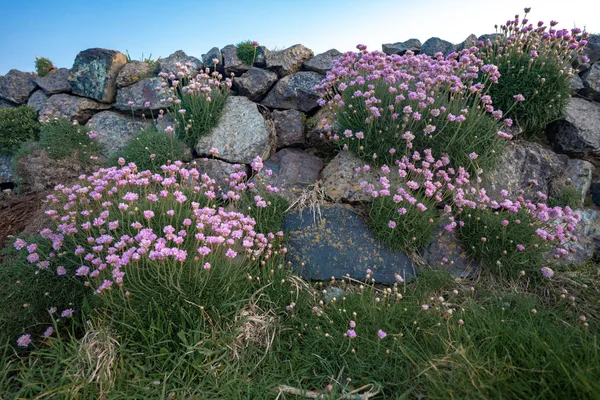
column 381, row 334
column 24, row 340
column 350, row 333
column 547, row 272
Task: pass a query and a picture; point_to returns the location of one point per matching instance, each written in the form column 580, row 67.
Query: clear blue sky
column 60, row 29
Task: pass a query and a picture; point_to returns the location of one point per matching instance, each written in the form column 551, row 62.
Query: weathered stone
column 289, row 126
column 115, row 130
column 286, row 62
column 467, row 43
column 6, row 104
column 133, row 72
column 255, row 83
column 217, row 170
column 94, row 74
column 17, row 86
column 295, row 91
column 55, row 83
column 579, row 133
column 316, row 134
column 76, row 108
column 340, row 245
column 577, row 174
column 168, row 64
column 293, row 171
column 587, row 245
column 591, row 81
column 434, row 45
column 592, row 48
column 445, row 252
column 400, row 48
column 140, row 93
column 524, row 163
column 576, row 84
column 341, row 181
column 231, row 61
column 491, row 36
column 6, row 169
column 210, row 56
column 240, row 135
column 38, row 100
column 261, row 57
column 322, row 62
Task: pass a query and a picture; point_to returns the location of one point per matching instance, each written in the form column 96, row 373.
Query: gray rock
column 55, row 83
column 217, row 170
column 133, row 72
column 469, row 42
column 38, row 100
column 71, row 107
column 212, row 54
column 240, row 135
column 322, row 62
column 579, row 133
column 341, row 181
column 115, row 130
column 289, row 127
column 316, row 134
column 17, row 86
column 6, row 104
column 434, row 45
column 445, row 252
column 591, row 81
column 168, row 64
column 523, row 162
column 492, row 37
column 231, row 61
column 340, row 245
column 286, row 62
column 140, row 93
column 255, row 83
column 295, row 91
column 577, row 174
column 261, row 57
column 592, row 48
column 588, row 239
column 400, row 48
column 293, row 171
column 6, row 169
column 576, row 84
column 94, row 74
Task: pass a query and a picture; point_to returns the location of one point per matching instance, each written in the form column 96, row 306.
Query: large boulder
column 340, row 245
column 76, row 108
column 17, row 86
column 218, row 170
column 295, row 91
column 342, row 177
column 133, row 72
column 289, row 127
column 210, row 56
column 94, row 74
column 591, row 81
column 286, row 62
column 38, row 100
column 434, row 45
column 115, row 130
column 524, row 164
column 469, row 42
column 169, row 64
column 293, row 171
column 400, row 48
column 231, row 62
column 578, row 133
column 55, row 83
column 241, row 134
column 322, row 62
column 143, row 94
column 576, row 85
column 255, row 83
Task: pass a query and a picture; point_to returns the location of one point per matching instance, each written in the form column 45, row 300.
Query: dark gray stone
column 289, row 127
column 400, row 48
column 115, row 130
column 261, row 57
column 295, row 91
column 434, row 45
column 288, row 61
column 55, row 83
column 17, row 86
column 595, row 190
column 578, row 133
column 316, row 134
column 591, row 82
column 231, row 61
column 576, row 85
column 6, row 104
column 293, row 171
column 38, row 100
column 140, row 93
column 492, row 37
column 255, row 83
column 340, row 245
column 168, row 64
column 322, row 62
column 76, row 108
column 469, row 42
column 94, row 74
column 133, row 72
column 210, row 56
column 592, row 48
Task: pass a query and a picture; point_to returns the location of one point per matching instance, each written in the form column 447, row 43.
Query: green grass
column 17, row 126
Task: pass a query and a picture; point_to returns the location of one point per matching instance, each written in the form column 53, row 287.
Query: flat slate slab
column 341, row 244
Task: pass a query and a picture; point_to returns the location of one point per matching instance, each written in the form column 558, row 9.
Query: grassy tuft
column 17, row 125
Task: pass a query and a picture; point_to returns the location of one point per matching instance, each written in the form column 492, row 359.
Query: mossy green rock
column 94, row 74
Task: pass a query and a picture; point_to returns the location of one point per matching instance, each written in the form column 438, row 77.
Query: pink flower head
column 60, row 270
column 352, row 324
column 24, row 340
column 255, row 43
column 547, row 272
column 519, row 97
column 350, row 333
column 48, row 332
column 148, row 214
column 381, row 334
column 67, row 313
column 19, row 244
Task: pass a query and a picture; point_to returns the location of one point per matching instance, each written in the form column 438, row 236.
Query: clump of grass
column 151, row 149
column 268, row 210
column 43, row 66
column 17, row 125
column 567, row 195
column 147, row 60
column 61, row 138
column 246, row 51
column 534, row 63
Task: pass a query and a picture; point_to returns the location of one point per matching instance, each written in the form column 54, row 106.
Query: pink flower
column 381, row 334
column 350, row 333
column 207, row 266
column 519, row 97
column 67, row 313
column 352, row 324
column 19, row 244
column 148, row 214
column 48, row 332
column 547, row 272
column 391, row 224
column 60, row 270
column 24, row 340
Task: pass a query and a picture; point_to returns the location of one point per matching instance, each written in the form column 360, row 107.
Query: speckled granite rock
column 94, row 74
column 55, row 83
column 217, row 170
column 17, row 86
column 140, row 94
column 114, row 130
column 38, row 100
column 288, row 61
column 295, row 91
column 133, row 72
column 322, row 62
column 71, row 107
column 168, row 64
column 341, row 245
